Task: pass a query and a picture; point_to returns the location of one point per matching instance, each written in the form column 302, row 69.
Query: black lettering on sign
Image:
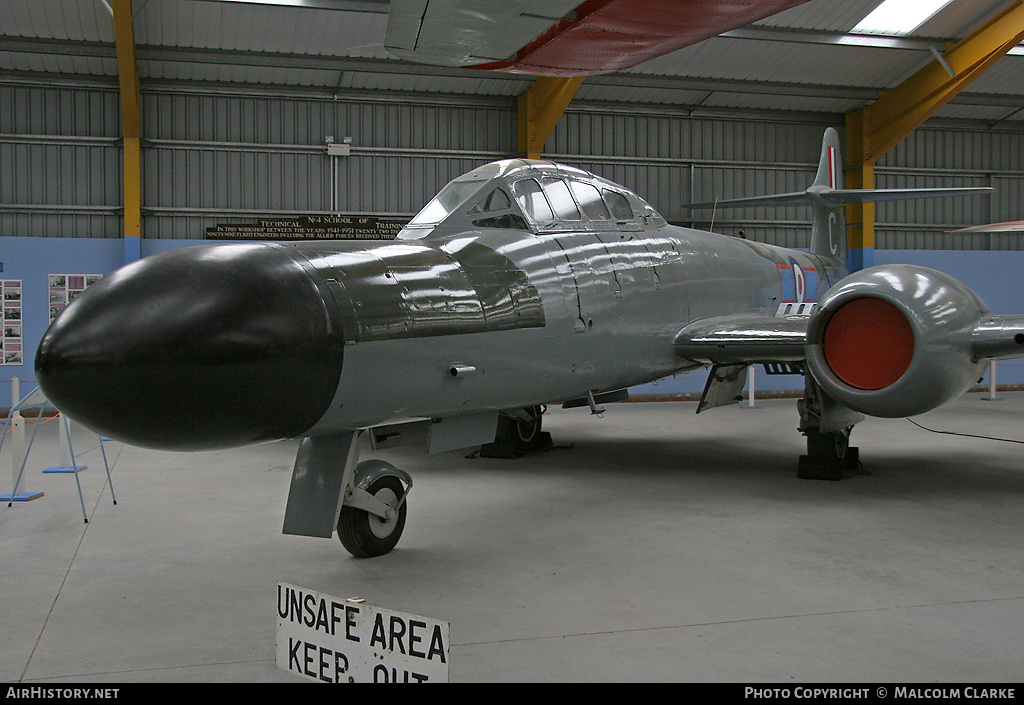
column 330, row 665
column 381, row 674
column 319, row 614
column 350, row 611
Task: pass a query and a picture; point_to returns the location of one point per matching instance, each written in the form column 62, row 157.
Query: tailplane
column 826, row 196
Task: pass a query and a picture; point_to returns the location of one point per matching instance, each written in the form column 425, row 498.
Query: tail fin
column 828, row 227
column 826, row 196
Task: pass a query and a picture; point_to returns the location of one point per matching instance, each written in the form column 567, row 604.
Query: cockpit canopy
column 532, row 196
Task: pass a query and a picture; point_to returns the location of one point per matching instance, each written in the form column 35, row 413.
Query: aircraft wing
column 731, row 343
column 560, row 37
column 743, row 340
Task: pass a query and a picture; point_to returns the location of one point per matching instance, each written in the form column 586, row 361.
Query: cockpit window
column 618, row 205
column 590, row 201
column 531, row 199
column 561, row 200
column 450, row 197
column 496, row 200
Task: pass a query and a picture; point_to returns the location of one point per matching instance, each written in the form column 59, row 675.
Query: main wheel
column 365, row 535
column 831, row 447
column 526, row 433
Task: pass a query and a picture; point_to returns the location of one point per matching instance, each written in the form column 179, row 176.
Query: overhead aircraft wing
column 1015, row 226
column 560, row 37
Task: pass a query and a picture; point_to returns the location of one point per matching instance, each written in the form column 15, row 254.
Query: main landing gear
column 518, row 433
column 829, row 453
column 829, row 456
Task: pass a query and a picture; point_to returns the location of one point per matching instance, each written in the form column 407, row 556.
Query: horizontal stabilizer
column 837, row 197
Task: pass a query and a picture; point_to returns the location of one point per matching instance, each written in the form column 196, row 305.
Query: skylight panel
column 898, row 17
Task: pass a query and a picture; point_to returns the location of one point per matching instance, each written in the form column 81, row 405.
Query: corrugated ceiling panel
column 228, row 73
column 245, row 27
column 1004, row 78
column 56, row 63
column 359, row 80
column 778, row 61
column 56, row 19
column 954, row 111
column 761, row 101
column 638, row 94
column 837, row 15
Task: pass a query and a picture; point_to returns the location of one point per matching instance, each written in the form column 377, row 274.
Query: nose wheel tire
column 366, row 535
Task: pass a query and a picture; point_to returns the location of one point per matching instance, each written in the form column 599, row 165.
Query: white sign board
column 329, row 639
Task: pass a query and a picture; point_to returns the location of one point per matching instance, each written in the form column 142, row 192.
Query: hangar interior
column 651, row 544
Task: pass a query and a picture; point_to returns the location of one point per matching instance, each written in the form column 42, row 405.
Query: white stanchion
column 67, row 464
column 991, row 382
column 751, row 400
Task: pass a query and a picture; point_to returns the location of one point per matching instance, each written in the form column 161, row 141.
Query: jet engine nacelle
column 895, row 340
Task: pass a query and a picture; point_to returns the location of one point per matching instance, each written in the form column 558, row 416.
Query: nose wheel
column 372, row 516
column 365, row 535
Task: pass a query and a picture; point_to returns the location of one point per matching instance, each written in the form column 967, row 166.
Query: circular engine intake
column 868, row 343
column 894, row 340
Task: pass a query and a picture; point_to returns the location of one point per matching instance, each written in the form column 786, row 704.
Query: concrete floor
column 649, row 545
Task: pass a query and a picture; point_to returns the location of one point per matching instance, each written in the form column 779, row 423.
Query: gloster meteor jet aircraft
column 521, row 284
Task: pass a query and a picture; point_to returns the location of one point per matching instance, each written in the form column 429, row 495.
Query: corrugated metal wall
column 213, row 158
column 60, row 162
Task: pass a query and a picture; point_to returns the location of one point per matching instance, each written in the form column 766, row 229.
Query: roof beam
column 131, row 126
column 887, row 121
column 873, row 130
column 540, row 109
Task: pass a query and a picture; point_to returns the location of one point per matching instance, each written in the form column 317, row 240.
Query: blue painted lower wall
column 993, row 275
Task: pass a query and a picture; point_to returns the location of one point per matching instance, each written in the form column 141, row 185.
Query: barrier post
column 750, row 390
column 67, row 458
column 991, row 382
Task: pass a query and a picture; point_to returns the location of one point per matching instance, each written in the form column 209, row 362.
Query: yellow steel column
column 875, row 129
column 859, row 173
column 131, row 126
column 540, row 109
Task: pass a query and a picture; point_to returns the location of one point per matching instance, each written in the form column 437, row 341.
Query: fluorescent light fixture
column 899, row 16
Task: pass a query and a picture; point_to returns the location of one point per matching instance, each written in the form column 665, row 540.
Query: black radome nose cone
column 205, row 347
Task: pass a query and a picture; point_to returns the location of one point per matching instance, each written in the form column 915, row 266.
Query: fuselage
column 537, row 318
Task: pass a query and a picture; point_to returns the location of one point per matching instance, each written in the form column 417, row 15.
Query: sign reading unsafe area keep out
column 335, row 640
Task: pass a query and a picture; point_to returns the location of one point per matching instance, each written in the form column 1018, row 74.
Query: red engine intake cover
column 868, row 343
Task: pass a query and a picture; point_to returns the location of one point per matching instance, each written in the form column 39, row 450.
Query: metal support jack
column 36, row 399
column 71, row 465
